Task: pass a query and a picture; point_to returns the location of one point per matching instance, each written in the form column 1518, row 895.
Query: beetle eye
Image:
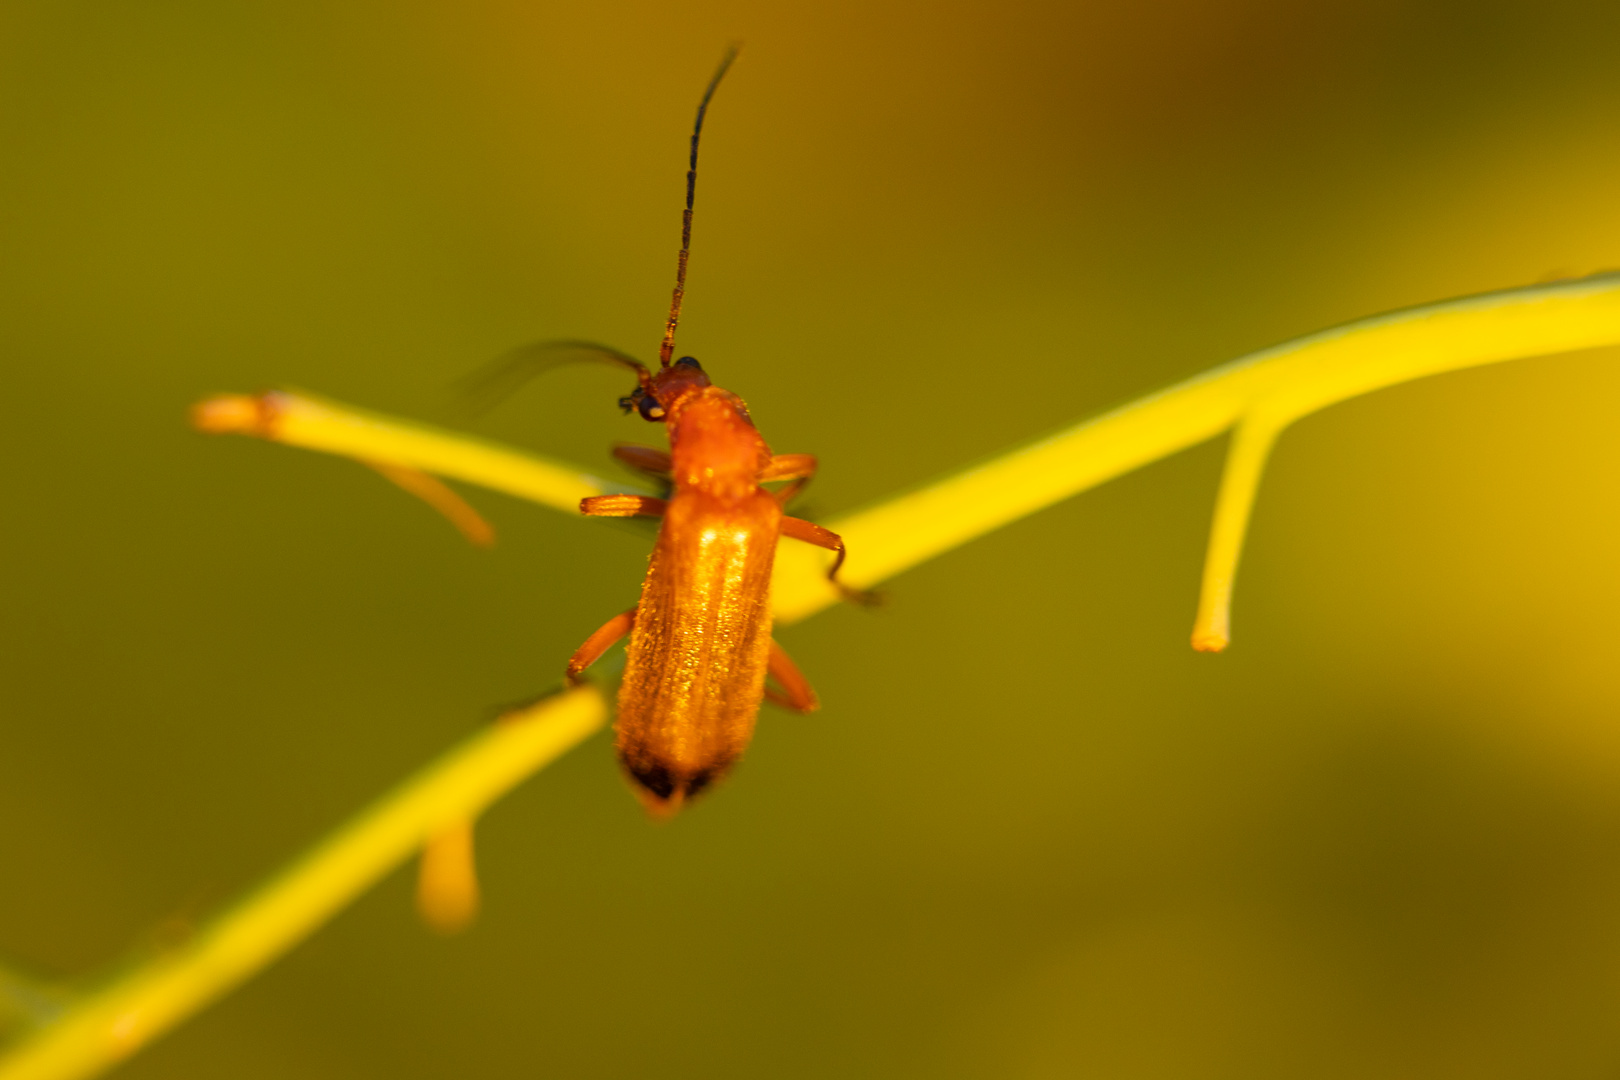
column 689, row 361
column 649, row 408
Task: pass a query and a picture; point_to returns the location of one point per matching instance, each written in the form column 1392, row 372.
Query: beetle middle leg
column 795, row 692
column 811, row 533
column 799, row 468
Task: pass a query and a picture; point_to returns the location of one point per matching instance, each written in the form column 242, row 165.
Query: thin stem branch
column 1251, row 444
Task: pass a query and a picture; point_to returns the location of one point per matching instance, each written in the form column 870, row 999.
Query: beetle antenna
column 500, row 378
column 667, row 349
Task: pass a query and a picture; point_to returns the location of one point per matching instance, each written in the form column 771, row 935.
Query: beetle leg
column 795, row 692
column 599, row 643
column 622, row 506
column 645, row 459
column 790, row 467
column 811, row 533
column 798, row 468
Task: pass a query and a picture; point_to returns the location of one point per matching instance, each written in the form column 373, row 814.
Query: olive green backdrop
column 1031, row 834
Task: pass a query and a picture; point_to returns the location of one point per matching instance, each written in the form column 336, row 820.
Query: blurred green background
column 1031, row 834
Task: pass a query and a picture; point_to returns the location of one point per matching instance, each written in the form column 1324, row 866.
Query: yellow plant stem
column 300, row 419
column 1279, row 384
column 110, row 1023
column 1274, row 387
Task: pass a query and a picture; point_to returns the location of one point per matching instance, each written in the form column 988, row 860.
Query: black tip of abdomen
column 671, row 787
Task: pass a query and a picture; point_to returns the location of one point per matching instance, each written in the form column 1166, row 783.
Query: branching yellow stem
column 109, row 1024
column 1284, row 382
column 1245, row 461
column 1261, row 394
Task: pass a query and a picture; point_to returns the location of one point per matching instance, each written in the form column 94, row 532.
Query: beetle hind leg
column 610, row 633
column 792, row 690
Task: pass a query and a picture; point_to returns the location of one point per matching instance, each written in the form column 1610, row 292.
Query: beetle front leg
column 622, row 506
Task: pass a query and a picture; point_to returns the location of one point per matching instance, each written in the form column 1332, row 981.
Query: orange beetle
column 700, row 638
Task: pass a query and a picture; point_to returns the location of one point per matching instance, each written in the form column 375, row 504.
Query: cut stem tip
column 226, row 414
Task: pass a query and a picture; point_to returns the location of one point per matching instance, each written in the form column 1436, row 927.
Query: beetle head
column 655, row 395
